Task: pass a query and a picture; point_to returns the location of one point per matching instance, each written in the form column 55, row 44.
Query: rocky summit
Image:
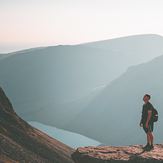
column 120, row 154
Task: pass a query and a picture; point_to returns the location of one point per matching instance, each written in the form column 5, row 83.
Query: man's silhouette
column 147, row 123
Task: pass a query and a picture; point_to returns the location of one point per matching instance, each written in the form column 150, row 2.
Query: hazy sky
column 30, row 23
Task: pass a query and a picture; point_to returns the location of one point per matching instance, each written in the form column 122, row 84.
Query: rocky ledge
column 120, row 154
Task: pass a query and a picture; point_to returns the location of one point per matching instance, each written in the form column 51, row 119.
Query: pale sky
column 33, row 23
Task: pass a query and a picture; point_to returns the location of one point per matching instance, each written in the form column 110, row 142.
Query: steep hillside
column 19, row 142
column 55, row 81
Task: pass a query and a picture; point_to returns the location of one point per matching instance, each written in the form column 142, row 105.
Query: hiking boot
column 149, row 148
column 146, row 146
column 152, row 147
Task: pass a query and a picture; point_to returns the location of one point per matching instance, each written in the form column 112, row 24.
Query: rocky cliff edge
column 120, row 154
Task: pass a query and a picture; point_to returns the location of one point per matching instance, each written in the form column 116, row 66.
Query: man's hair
column 149, row 96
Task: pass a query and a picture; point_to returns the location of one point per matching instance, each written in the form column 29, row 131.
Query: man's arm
column 141, row 121
column 148, row 118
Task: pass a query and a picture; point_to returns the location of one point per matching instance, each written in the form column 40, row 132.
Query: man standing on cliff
column 147, row 123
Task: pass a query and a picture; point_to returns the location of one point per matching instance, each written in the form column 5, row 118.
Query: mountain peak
column 113, row 154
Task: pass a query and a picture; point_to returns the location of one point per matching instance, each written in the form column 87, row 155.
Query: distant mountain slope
column 113, row 116
column 19, row 142
column 54, row 81
column 3, row 56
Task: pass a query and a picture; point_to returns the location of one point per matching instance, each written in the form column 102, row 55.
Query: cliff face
column 19, row 142
column 111, row 154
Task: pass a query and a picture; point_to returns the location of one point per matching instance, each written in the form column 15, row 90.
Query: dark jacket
column 146, row 107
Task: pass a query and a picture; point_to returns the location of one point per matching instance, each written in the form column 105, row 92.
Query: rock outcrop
column 21, row 143
column 111, row 154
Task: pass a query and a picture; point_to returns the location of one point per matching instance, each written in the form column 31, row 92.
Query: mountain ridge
column 84, row 43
